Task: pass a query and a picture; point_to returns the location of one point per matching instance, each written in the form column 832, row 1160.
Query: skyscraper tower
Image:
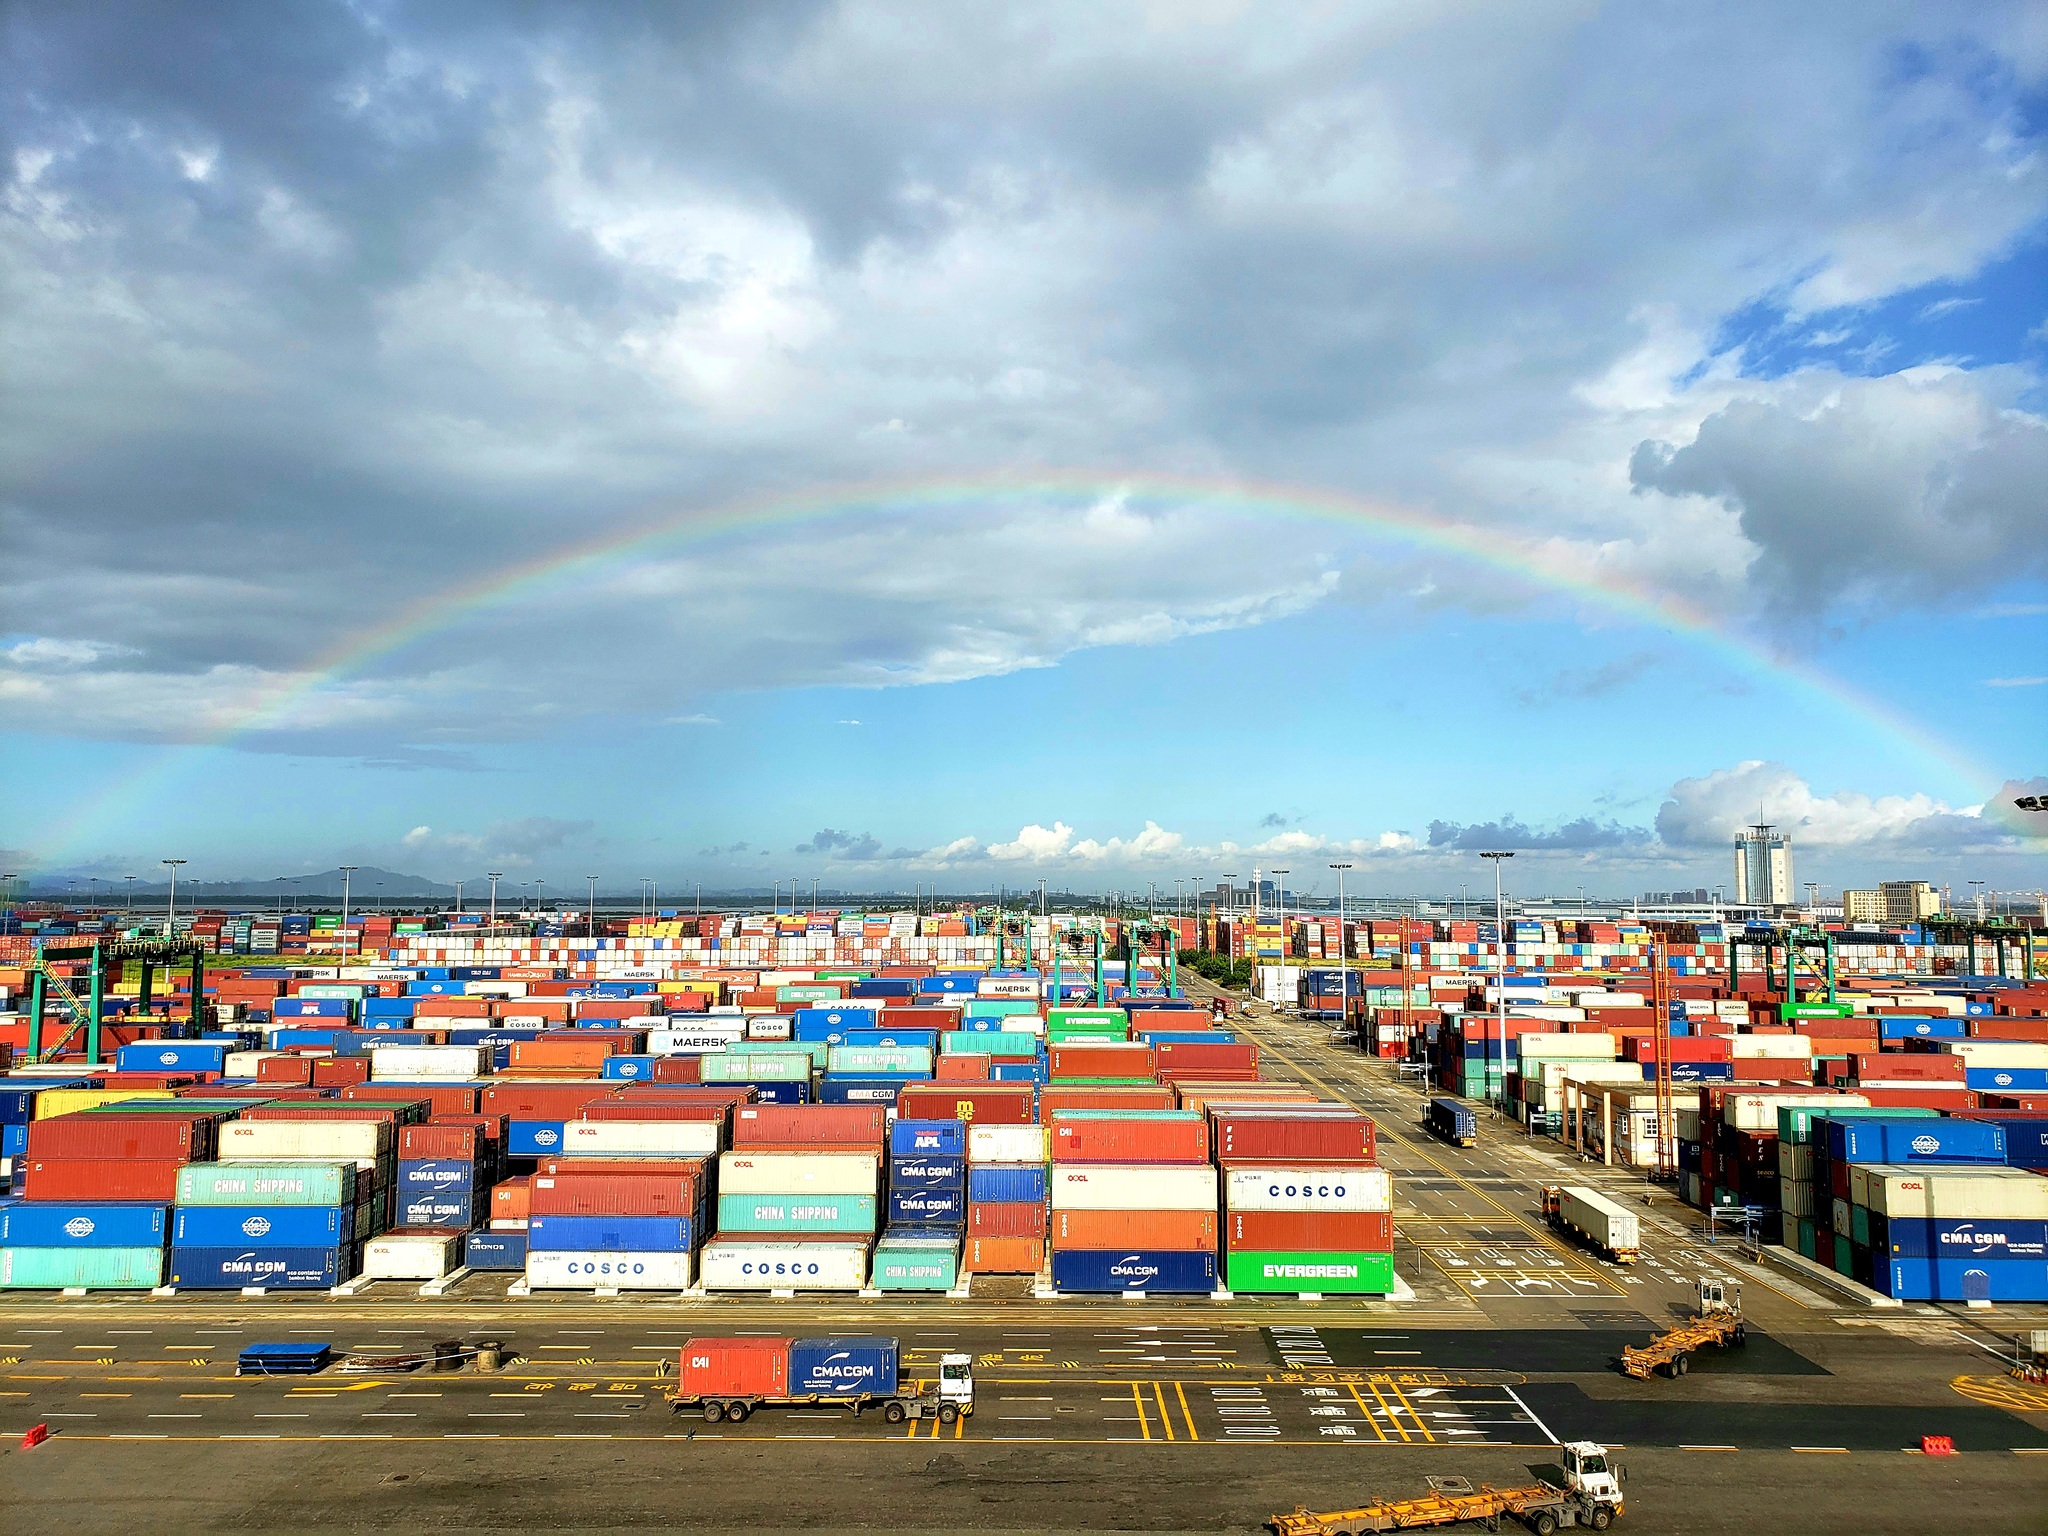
column 1763, row 868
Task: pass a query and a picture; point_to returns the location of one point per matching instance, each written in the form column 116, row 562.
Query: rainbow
column 1539, row 564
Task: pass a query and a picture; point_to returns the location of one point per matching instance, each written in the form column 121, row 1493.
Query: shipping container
column 557, row 1270
column 1085, row 1269
column 1254, row 1273
column 77, row 1266
column 1307, row 1187
column 762, row 1264
column 83, row 1224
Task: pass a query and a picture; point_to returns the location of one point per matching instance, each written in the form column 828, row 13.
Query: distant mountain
column 365, row 886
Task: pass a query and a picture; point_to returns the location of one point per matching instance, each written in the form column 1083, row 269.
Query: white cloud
column 2014, row 682
column 1034, row 844
column 1708, row 811
column 694, row 720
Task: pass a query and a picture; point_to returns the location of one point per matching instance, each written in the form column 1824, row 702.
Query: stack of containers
column 920, row 1246
column 1006, row 1199
column 278, row 1224
column 1133, row 1201
column 444, row 1174
column 1307, row 1208
column 1804, row 1172
column 601, row 1224
column 364, row 1135
column 798, row 1198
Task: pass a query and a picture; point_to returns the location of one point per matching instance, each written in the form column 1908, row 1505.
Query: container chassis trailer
column 1591, row 1497
column 1718, row 1323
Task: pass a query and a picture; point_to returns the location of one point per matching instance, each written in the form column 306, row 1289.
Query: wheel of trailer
column 949, row 1413
column 737, row 1411
column 1545, row 1523
column 713, row 1412
column 895, row 1413
column 1742, row 1333
column 1680, row 1366
column 1603, row 1517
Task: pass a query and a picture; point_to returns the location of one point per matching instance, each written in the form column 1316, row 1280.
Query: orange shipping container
column 512, row 1200
column 1173, row 1231
column 564, row 1053
column 1309, row 1231
column 1056, row 1096
column 1003, row 1256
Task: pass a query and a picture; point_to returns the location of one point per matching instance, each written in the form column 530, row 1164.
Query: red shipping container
column 586, row 1054
column 2009, row 1028
column 437, row 1139
column 149, row 1138
column 1309, row 1231
column 1006, row 1218
column 452, row 1008
column 571, row 1194
column 1179, row 1019
column 988, row 1103
column 655, row 1109
column 676, row 1069
column 1055, row 1096
column 807, row 1127
column 538, row 1101
column 289, row 1070
column 1168, row 1231
column 1245, row 1134
column 614, row 1007
column 440, row 1099
column 101, row 1179
column 626, row 1167
column 1129, row 1141
column 1115, row 1059
column 908, row 1017
column 555, row 1010
column 1917, row 1096
column 340, row 1071
column 1003, row 1256
column 1223, row 1058
column 334, row 1109
column 1908, row 1067
column 961, row 1069
column 733, row 1368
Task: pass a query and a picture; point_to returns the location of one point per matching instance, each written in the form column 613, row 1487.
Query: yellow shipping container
column 63, row 1101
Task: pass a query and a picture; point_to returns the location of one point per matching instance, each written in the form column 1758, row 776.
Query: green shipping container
column 960, row 1042
column 796, row 1213
column 888, row 1059
column 998, row 1007
column 1367, row 1274
column 326, row 1184
column 814, row 1049
column 1799, row 1125
column 1807, row 1248
column 1844, row 1261
column 1859, row 1226
column 99, row 1269
column 752, row 1067
column 844, row 975
column 1089, row 1018
column 917, row 1265
column 806, row 992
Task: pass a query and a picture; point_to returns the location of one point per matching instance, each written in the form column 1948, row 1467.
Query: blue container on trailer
column 2006, row 1079
column 83, row 1224
column 270, row 1226
column 1917, row 1141
column 1020, row 1072
column 1007, row 1183
column 1092, row 1269
column 533, row 1138
column 628, row 1068
column 936, row 1138
column 917, row 1172
column 282, row 1269
column 927, row 1206
column 862, row 1090
column 612, row 1234
column 1969, row 1279
column 1910, row 1027
column 417, row 1175
column 494, row 1250
column 1987, row 1238
column 459, row 1209
column 171, row 1056
column 843, row 1365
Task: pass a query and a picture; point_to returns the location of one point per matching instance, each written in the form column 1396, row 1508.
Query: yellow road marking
column 1181, row 1392
column 1370, row 1417
column 1138, row 1402
column 1393, row 1418
column 1427, row 1433
column 1165, row 1418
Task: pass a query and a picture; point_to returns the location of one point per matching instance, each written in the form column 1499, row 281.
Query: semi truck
column 1587, row 1214
column 1718, row 1322
column 1591, row 1496
column 726, row 1379
column 1448, row 1120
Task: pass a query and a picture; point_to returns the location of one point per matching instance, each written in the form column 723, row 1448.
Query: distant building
column 1763, row 868
column 1863, row 907
column 1699, row 896
column 1908, row 901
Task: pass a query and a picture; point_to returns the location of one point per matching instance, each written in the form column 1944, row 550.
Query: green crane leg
column 1101, row 991
column 1832, row 999
column 142, row 996
column 36, row 998
column 192, row 1026
column 97, row 983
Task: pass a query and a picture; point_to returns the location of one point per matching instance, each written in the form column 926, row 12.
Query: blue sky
column 1743, row 313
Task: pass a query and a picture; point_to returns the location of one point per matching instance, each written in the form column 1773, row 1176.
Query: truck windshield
column 1592, row 1466
column 952, row 1373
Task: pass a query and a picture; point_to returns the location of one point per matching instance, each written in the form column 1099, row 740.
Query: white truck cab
column 1591, row 1473
column 956, row 1383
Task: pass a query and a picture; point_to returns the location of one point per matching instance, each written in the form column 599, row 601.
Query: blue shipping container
column 2026, row 1141
column 444, row 1175
column 1020, row 1072
column 533, row 1138
column 940, row 1138
column 1915, row 1141
column 927, row 1172
column 274, row 1226
column 13, row 1141
column 883, row 988
column 1969, row 1279
column 311, row 1008
column 1903, row 1027
column 925, row 1206
column 1984, row 1239
column 629, row 1068
column 83, row 1224
column 860, row 1090
column 171, row 1056
column 1007, row 1183
column 843, row 1365
column 281, row 1269
column 1089, row 1269
column 612, row 1234
column 495, row 1250
column 2007, row 1079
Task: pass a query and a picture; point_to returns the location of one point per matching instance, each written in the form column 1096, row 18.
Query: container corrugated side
column 53, row 1269
column 785, row 1173
column 751, row 1264
column 1307, row 1187
column 563, row 1270
column 227, row 1183
column 1254, row 1272
column 1103, row 1187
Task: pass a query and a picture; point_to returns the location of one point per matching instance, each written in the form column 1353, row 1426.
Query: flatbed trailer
column 1590, row 1497
column 1719, row 1324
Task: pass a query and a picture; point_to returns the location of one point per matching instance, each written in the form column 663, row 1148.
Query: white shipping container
column 640, row 1138
column 1951, row 1194
column 1795, row 1160
column 1133, row 1187
column 689, row 1039
column 1981, row 1053
column 559, row 1271
column 240, row 1063
column 798, row 1173
column 410, row 1256
column 305, row 1140
column 745, row 1264
column 1006, row 1144
column 1769, row 1047
column 1567, row 1047
column 1759, row 1111
column 1795, row 1197
column 1606, row 1223
column 428, row 1063
column 1307, row 1188
column 1009, row 986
